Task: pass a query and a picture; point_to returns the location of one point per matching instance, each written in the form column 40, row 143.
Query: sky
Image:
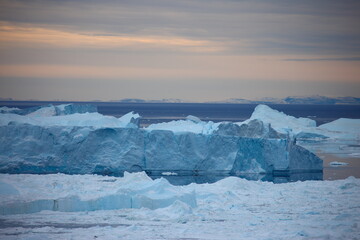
column 198, row 50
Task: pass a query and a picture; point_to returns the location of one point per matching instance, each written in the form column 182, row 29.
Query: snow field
column 231, row 208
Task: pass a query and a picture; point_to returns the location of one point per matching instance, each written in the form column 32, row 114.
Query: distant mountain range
column 138, row 100
column 299, row 100
column 288, row 100
column 267, row 100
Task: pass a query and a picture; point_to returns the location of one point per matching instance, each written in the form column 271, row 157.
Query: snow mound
column 280, row 121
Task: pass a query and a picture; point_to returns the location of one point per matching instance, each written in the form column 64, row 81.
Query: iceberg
column 305, row 128
column 93, row 119
column 23, row 194
column 344, row 128
column 52, row 110
column 88, row 143
column 281, row 122
column 27, row 148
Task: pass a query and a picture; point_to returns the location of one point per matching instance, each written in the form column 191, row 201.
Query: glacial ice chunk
column 80, row 150
column 280, row 121
column 81, row 143
column 21, row 194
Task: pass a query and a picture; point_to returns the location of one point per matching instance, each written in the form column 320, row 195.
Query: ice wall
column 27, row 148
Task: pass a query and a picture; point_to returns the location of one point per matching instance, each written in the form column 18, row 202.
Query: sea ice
column 71, row 193
column 335, row 163
column 136, row 207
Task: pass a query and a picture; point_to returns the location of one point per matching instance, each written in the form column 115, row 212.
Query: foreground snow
column 231, row 208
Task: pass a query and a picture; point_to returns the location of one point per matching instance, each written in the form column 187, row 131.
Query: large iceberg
column 93, row 143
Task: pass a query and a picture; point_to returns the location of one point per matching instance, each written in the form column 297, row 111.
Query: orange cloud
column 195, row 68
column 11, row 35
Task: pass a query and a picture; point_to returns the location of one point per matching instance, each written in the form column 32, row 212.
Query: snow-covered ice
column 191, row 124
column 231, row 208
column 280, row 121
column 45, row 117
column 340, row 137
column 71, row 193
column 79, row 150
column 79, row 140
column 48, row 141
column 305, row 128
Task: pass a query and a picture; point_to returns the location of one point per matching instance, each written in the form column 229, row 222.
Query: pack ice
column 74, row 139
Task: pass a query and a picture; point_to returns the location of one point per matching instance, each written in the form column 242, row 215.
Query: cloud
column 323, row 59
column 13, row 35
column 272, row 27
column 225, row 46
column 195, row 68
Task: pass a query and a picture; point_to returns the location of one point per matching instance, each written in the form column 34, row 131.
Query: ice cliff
column 81, row 143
